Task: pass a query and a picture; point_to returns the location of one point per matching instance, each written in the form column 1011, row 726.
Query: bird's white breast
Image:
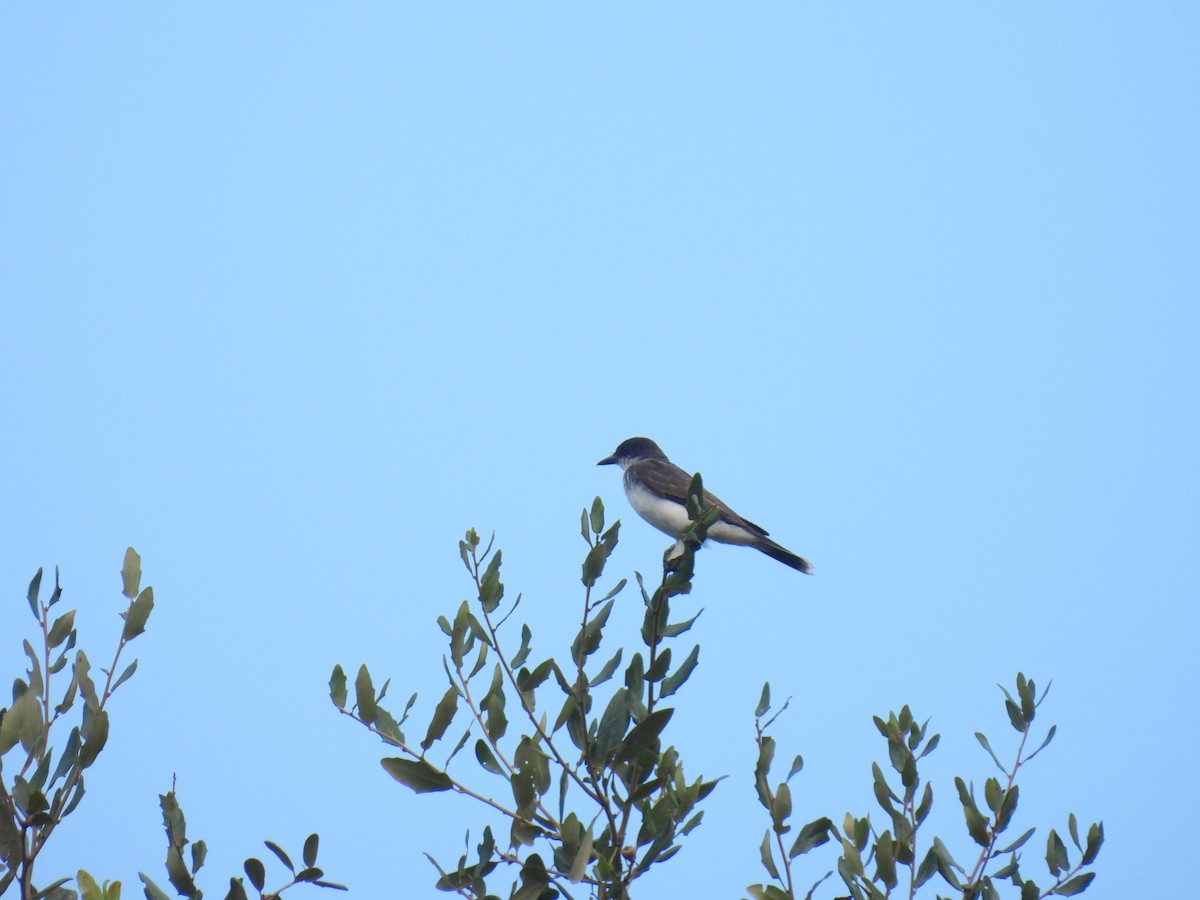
column 665, row 515
column 671, row 517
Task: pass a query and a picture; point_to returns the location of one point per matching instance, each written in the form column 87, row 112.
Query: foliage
column 594, row 796
column 182, row 874
column 894, row 851
column 41, row 794
column 598, row 797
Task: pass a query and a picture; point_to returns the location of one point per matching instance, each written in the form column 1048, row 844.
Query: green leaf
column 606, row 671
column 691, row 823
column 593, row 564
column 1076, row 885
column 496, row 722
column 814, row 834
column 462, row 742
column 337, row 687
column 884, row 795
column 283, row 857
column 781, row 809
column 885, row 860
column 491, row 590
column 1019, row 842
column 797, row 765
column 486, row 848
column 522, row 653
column 131, row 574
column 764, row 704
column 36, row 684
column 523, row 833
column 993, row 794
column 311, row 843
column 764, row 852
column 1056, row 854
column 465, row 548
column 675, row 680
column 417, row 774
column 152, row 890
column 59, row 632
column 584, row 855
column 643, row 734
column 762, row 766
column 680, row 627
column 597, row 521
column 613, row 722
column 480, row 660
column 588, row 639
column 616, row 590
column 931, row 746
column 88, row 888
column 23, row 718
column 1007, row 871
column 461, row 638
column 443, row 715
column 1095, row 840
column 611, row 537
column 173, row 819
column 199, row 853
column 95, row 735
column 70, row 755
column 256, row 872
column 1026, row 691
column 137, row 614
column 125, row 676
column 635, row 673
column 364, row 696
column 525, row 794
column 57, row 594
column 80, row 677
column 35, row 586
column 177, row 872
column 977, row 823
column 1014, row 716
column 528, row 758
column 387, row 727
column 486, row 758
column 1042, row 746
column 534, row 880
column 927, row 868
column 311, row 875
column 659, row 665
column 946, row 864
column 925, row 805
column 76, row 796
column 769, row 892
column 1007, row 808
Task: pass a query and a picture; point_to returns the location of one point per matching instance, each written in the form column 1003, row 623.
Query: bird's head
column 631, row 451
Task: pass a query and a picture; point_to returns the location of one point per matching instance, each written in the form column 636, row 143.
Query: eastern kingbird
column 657, row 489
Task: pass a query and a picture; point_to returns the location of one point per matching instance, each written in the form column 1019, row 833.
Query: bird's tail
column 787, row 557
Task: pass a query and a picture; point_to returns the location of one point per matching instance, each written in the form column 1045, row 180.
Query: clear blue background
column 293, row 293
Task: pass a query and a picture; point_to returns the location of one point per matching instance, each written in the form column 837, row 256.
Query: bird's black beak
column 607, row 461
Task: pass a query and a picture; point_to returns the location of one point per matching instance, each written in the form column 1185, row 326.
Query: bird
column 657, row 490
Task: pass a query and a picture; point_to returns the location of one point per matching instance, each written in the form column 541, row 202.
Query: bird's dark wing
column 665, row 478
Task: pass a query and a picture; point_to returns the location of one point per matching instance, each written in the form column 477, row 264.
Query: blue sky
column 293, row 294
